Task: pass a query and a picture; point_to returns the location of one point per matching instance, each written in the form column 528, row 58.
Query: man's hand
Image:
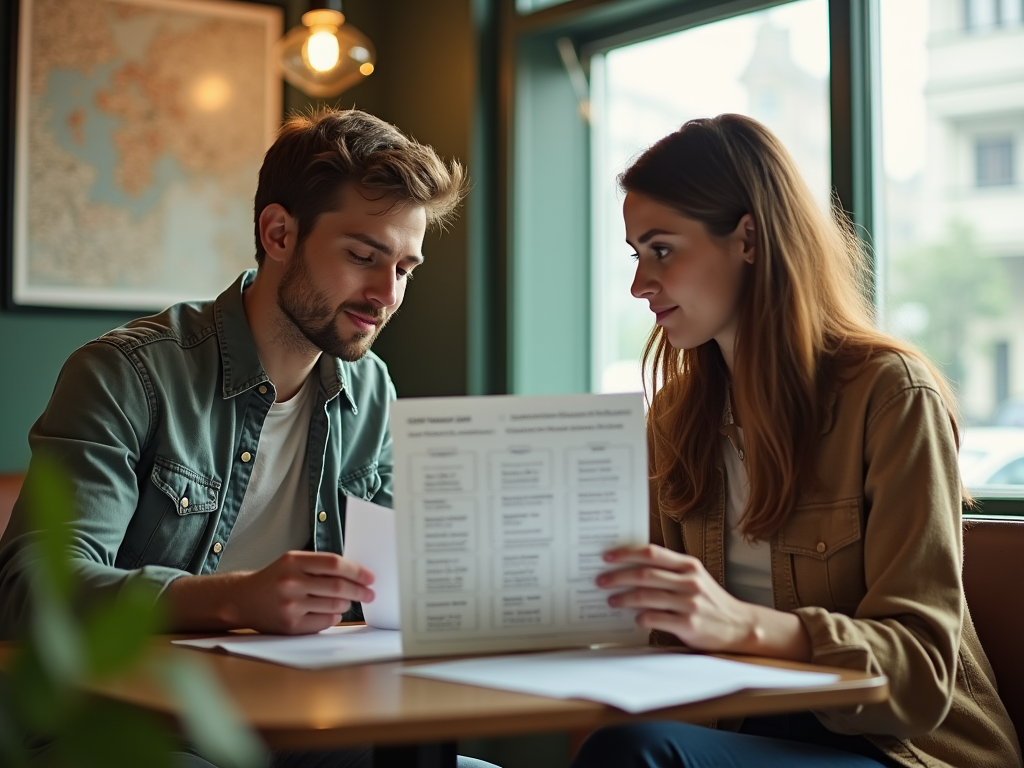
column 299, row 593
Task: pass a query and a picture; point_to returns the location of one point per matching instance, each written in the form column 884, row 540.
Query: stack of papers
column 632, row 679
column 334, row 647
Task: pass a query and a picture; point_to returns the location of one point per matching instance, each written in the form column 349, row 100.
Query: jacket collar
column 240, row 362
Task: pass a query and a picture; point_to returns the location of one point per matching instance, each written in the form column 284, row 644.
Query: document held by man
column 505, row 506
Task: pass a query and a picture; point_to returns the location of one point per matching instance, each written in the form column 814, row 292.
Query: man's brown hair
column 316, row 153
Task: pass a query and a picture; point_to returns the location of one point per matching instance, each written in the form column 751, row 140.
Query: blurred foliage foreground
column 47, row 716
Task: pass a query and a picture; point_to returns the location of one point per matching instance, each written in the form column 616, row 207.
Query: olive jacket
column 870, row 560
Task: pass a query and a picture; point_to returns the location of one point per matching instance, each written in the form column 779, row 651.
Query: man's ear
column 746, row 234
column 278, row 232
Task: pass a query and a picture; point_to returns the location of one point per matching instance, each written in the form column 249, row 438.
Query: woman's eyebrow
column 652, row 233
column 649, row 234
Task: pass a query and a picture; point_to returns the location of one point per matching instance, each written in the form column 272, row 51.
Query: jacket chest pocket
column 826, row 554
column 177, row 515
column 362, row 483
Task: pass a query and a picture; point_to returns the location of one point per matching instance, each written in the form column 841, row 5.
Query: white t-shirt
column 748, row 565
column 275, row 513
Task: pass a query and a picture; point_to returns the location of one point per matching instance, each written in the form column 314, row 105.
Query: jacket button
column 322, row 516
column 246, row 457
column 217, row 548
column 821, row 546
column 263, row 390
column 184, row 502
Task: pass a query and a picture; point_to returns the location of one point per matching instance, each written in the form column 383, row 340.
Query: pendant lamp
column 324, row 55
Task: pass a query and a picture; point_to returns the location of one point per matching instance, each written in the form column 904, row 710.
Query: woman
column 805, row 494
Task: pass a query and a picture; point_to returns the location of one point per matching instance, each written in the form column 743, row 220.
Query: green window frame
column 530, row 326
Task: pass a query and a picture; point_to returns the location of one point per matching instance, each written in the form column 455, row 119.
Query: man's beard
column 312, row 316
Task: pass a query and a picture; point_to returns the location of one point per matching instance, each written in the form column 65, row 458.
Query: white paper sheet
column 505, row 506
column 334, row 647
column 370, row 541
column 632, row 679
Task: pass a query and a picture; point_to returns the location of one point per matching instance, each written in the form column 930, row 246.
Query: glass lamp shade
column 325, row 55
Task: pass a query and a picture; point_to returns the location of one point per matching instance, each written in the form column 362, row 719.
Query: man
column 211, row 446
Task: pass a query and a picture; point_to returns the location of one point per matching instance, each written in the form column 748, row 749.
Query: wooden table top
column 373, row 704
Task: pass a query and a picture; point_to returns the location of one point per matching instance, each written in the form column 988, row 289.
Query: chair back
column 994, row 585
column 10, row 487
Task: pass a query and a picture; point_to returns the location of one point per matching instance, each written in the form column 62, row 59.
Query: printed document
column 632, row 679
column 333, row 647
column 505, row 506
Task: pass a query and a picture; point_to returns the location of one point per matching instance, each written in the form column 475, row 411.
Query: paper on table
column 334, row 647
column 370, row 541
column 507, row 505
column 632, row 679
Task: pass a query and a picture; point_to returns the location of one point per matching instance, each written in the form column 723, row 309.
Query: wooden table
column 373, row 704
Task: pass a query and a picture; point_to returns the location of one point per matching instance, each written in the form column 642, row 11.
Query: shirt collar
column 240, row 362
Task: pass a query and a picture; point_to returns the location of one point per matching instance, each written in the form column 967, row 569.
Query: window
column 951, row 248
column 993, row 161
column 981, row 14
column 916, row 125
column 772, row 65
column 986, row 14
column 1011, row 12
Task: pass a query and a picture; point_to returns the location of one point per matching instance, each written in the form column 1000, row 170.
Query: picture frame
column 135, row 132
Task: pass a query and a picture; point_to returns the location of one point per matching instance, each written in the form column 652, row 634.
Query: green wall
column 425, row 84
column 426, row 65
column 33, row 347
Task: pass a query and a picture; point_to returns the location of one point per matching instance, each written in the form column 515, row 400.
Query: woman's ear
column 746, row 236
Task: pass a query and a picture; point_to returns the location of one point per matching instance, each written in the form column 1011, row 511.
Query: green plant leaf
column 209, row 718
column 12, row 750
column 105, row 735
column 51, row 504
column 56, row 638
column 116, row 633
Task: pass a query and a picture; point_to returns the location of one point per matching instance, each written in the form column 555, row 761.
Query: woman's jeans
column 782, row 741
column 344, row 758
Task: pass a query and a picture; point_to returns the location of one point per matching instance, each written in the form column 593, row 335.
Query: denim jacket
column 158, row 423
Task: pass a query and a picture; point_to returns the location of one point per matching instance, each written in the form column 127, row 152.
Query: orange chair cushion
column 10, row 487
column 994, row 585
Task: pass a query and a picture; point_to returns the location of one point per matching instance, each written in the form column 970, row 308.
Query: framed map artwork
column 140, row 126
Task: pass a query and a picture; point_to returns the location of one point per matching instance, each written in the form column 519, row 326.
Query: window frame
column 537, row 306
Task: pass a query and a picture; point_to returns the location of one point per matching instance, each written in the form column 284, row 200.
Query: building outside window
column 951, row 244
column 985, row 14
column 948, row 239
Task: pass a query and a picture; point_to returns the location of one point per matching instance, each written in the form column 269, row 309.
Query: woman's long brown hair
column 805, row 320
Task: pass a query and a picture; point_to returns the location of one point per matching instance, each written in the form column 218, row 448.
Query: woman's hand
column 674, row 593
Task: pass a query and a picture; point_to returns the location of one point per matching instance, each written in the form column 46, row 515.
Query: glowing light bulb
column 322, row 50
column 325, row 55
